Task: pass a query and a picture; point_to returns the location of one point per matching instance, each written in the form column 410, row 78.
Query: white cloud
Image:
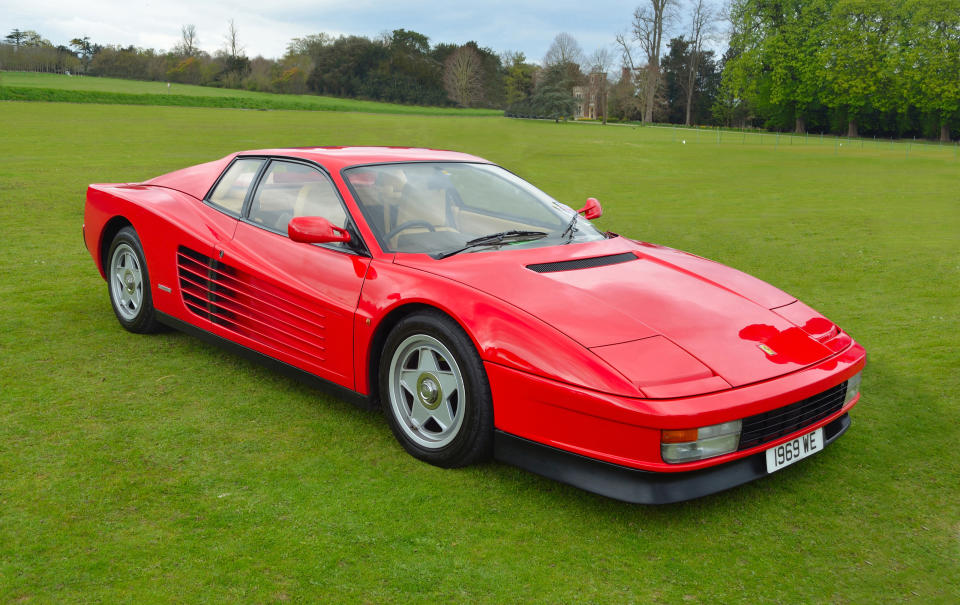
column 265, row 28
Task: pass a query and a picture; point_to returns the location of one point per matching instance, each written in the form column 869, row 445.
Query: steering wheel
column 409, row 225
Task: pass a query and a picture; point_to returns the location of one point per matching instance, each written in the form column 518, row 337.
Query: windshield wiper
column 503, row 237
column 571, row 228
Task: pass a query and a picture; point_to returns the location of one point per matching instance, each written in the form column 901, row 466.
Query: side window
column 232, row 188
column 288, row 190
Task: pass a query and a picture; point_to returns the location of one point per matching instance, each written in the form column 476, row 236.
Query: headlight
column 685, row 445
column 853, row 387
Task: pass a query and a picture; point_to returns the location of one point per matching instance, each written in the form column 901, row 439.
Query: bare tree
column 702, row 27
column 232, row 40
column 564, row 49
column 188, row 41
column 649, row 21
column 461, row 76
column 600, row 62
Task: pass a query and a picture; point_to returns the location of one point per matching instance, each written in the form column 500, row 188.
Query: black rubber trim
column 296, row 373
column 634, row 485
column 583, row 263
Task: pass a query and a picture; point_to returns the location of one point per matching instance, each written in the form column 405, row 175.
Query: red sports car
column 483, row 316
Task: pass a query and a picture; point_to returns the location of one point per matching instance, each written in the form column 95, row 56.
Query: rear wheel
column 435, row 392
column 129, row 283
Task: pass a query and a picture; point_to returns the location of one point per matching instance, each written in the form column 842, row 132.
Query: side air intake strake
column 583, row 263
column 250, row 307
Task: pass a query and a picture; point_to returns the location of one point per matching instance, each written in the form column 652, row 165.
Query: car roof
column 336, row 158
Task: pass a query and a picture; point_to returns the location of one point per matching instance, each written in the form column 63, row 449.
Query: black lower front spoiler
column 634, row 485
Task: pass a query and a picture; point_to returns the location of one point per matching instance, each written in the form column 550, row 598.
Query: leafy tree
column 308, row 46
column 859, row 38
column 16, row 37
column 518, row 79
column 689, row 96
column 930, row 60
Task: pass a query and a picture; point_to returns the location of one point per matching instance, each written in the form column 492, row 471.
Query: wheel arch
column 109, row 231
column 379, row 338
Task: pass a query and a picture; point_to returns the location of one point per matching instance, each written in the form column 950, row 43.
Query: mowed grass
column 28, row 86
column 158, row 468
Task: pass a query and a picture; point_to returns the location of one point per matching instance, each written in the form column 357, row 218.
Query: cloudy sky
column 265, row 27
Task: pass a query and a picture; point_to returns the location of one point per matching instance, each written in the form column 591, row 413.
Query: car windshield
column 446, row 208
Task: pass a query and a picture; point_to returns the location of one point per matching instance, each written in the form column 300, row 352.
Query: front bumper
column 635, row 485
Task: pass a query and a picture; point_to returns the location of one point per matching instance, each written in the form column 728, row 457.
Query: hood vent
column 583, row 263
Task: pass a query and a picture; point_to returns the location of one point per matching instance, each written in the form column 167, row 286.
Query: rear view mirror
column 591, row 209
column 315, row 230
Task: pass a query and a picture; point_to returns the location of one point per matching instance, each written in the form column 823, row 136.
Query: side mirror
column 315, row 230
column 591, row 209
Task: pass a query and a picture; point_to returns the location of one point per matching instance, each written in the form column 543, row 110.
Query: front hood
column 720, row 316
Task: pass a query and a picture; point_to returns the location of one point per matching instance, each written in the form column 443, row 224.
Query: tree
column 648, row 24
column 701, row 29
column 189, row 43
column 931, row 60
column 16, row 37
column 854, row 58
column 564, row 49
column 462, row 78
column 232, row 42
column 308, row 45
column 518, row 79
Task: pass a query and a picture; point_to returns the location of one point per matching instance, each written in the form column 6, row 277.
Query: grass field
column 155, row 469
column 28, row 86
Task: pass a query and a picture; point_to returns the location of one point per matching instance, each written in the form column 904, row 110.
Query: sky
column 266, row 27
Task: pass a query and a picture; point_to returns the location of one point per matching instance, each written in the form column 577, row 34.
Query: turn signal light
column 696, row 444
column 678, row 435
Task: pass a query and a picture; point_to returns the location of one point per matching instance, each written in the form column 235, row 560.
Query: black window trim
column 250, row 188
column 359, row 248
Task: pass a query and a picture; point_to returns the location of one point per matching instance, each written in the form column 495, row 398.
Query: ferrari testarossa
column 483, row 316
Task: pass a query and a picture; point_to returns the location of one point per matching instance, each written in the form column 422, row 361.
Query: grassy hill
column 26, row 86
column 158, row 469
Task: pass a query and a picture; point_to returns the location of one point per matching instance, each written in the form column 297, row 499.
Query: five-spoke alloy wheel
column 435, row 392
column 129, row 283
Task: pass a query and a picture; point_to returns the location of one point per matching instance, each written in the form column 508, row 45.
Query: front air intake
column 583, row 263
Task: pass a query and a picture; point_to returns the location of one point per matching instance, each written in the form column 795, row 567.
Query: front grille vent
column 765, row 427
column 582, row 263
column 251, row 307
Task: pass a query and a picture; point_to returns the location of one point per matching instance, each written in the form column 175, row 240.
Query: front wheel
column 129, row 283
column 435, row 392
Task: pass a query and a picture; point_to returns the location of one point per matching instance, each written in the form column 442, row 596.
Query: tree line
column 863, row 67
column 855, row 67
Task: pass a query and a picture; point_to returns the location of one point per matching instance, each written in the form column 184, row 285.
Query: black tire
column 430, row 375
column 128, row 283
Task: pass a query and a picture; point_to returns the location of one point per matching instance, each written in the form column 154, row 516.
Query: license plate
column 787, row 453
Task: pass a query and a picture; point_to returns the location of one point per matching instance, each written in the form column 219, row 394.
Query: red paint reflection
column 792, row 345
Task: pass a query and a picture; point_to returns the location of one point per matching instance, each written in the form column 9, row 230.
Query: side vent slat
column 260, row 311
column 583, row 263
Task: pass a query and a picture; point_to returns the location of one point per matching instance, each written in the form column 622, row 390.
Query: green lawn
column 155, row 469
column 87, row 89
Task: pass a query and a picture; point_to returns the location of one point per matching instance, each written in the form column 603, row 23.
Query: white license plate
column 787, row 453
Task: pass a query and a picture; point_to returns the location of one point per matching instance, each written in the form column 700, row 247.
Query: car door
column 294, row 301
column 206, row 228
